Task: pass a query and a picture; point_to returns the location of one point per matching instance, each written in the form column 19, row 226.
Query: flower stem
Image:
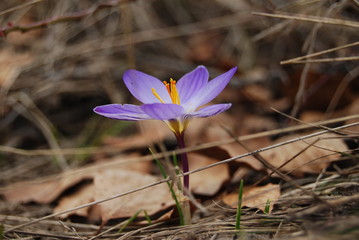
column 184, row 159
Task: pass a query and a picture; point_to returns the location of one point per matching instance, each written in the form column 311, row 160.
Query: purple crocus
column 173, row 102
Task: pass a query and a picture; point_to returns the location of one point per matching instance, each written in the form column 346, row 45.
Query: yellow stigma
column 156, row 95
column 172, row 91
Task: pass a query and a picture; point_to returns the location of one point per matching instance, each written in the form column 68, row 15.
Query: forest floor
column 291, row 133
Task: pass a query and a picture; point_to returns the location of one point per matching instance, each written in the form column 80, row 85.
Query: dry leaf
column 257, row 94
column 204, row 46
column 47, row 190
column 312, row 160
column 42, row 191
column 201, row 130
column 209, row 181
column 255, row 197
column 10, row 64
column 111, row 182
column 152, row 131
column 352, row 110
column 255, row 123
column 235, row 149
column 83, row 196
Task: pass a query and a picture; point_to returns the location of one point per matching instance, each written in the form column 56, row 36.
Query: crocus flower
column 173, row 102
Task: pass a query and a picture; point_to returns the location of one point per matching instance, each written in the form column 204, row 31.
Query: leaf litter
column 55, row 68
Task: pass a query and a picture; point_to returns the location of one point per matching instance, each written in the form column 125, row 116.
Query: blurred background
column 60, row 59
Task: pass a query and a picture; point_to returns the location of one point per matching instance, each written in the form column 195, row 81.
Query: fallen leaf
column 257, row 94
column 83, row 196
column 151, row 131
column 42, row 191
column 204, row 46
column 311, row 160
column 255, row 124
column 352, row 110
column 110, row 182
column 209, row 181
column 10, row 64
column 320, row 88
column 235, row 149
column 49, row 189
column 255, row 197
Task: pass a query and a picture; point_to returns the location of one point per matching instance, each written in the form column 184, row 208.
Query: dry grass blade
column 331, row 203
column 20, row 6
column 302, row 58
column 326, row 60
column 314, row 19
column 28, row 108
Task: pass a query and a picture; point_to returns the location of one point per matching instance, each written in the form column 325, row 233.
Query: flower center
column 172, row 91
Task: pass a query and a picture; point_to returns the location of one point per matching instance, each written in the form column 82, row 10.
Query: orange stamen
column 172, row 91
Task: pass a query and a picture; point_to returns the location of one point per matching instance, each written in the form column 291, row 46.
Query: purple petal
column 140, row 85
column 126, row 112
column 163, row 111
column 211, row 110
column 192, row 83
column 214, row 87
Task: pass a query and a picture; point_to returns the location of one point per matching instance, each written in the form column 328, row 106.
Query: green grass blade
column 178, row 206
column 267, row 207
column 239, row 207
column 147, row 217
column 129, row 221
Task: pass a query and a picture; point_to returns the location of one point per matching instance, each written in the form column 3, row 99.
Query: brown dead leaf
column 255, row 123
column 49, row 189
column 42, row 191
column 10, row 63
column 151, row 131
column 312, row 160
column 319, row 90
column 209, row 181
column 111, row 182
column 255, row 197
column 257, row 94
column 352, row 110
column 204, row 46
column 83, row 196
column 201, row 130
column 235, row 149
